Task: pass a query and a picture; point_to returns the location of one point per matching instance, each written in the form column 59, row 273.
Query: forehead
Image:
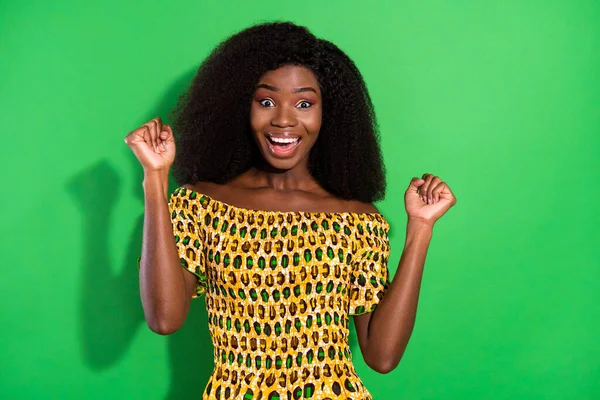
column 290, row 77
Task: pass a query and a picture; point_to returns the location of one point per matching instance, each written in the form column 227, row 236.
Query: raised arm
column 384, row 334
column 165, row 287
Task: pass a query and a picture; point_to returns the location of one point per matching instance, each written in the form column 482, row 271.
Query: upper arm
column 361, row 324
column 191, row 283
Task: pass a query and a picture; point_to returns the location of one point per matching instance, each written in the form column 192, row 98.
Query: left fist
column 428, row 198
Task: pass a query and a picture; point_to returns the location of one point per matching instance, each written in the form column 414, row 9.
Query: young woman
column 279, row 163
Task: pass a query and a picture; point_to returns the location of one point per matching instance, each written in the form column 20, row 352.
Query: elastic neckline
column 376, row 216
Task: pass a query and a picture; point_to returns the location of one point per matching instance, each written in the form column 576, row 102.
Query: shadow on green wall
column 110, row 307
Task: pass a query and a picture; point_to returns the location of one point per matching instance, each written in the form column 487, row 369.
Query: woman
column 279, row 162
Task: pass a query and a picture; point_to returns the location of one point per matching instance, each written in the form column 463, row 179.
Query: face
column 285, row 116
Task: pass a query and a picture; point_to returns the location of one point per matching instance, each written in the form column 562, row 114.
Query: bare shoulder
column 208, row 188
column 360, row 207
column 369, row 208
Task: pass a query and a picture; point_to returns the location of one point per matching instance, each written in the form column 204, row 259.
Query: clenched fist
column 428, row 198
column 153, row 144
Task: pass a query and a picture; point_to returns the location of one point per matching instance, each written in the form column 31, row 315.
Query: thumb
column 415, row 184
column 166, row 134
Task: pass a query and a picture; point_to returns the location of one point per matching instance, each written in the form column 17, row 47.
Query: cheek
column 256, row 118
column 313, row 122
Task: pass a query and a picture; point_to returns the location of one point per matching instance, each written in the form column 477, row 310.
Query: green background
column 501, row 99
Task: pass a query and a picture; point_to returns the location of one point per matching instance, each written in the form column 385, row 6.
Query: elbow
column 384, row 367
column 162, row 326
column 385, row 359
column 162, row 321
column 384, row 364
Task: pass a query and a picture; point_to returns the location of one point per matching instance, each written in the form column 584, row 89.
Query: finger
column 445, row 192
column 149, row 126
column 158, row 125
column 131, row 136
column 423, row 189
column 163, row 143
column 154, row 131
column 138, row 136
column 170, row 130
column 437, row 191
column 170, row 141
column 448, row 192
column 434, row 182
column 148, row 136
column 171, row 134
column 139, row 139
column 164, row 137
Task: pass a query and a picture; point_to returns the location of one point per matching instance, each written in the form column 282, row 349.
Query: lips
column 282, row 145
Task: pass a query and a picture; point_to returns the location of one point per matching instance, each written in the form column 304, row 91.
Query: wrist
column 156, row 181
column 418, row 227
column 420, row 223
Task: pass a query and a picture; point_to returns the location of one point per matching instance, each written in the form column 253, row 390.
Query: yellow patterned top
column 280, row 287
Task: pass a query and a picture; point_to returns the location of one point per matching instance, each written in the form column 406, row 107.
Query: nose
column 284, row 117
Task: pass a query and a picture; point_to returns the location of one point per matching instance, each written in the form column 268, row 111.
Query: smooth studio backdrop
column 499, row 98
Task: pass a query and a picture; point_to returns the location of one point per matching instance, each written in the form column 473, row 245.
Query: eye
column 267, row 103
column 304, row 104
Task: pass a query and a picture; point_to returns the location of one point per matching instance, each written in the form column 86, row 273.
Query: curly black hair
column 212, row 119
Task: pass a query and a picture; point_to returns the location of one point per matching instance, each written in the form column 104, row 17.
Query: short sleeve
column 369, row 279
column 185, row 210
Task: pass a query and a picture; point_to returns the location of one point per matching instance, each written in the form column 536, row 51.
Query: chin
column 280, row 164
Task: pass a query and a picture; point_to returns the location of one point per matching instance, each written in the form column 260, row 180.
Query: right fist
column 153, row 144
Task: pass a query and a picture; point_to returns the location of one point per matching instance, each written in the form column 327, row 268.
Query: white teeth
column 282, row 140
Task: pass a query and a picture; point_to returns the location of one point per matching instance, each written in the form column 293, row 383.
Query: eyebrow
column 274, row 89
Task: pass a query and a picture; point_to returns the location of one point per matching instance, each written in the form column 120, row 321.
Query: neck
column 295, row 179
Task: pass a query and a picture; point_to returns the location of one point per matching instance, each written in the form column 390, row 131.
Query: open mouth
column 283, row 146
